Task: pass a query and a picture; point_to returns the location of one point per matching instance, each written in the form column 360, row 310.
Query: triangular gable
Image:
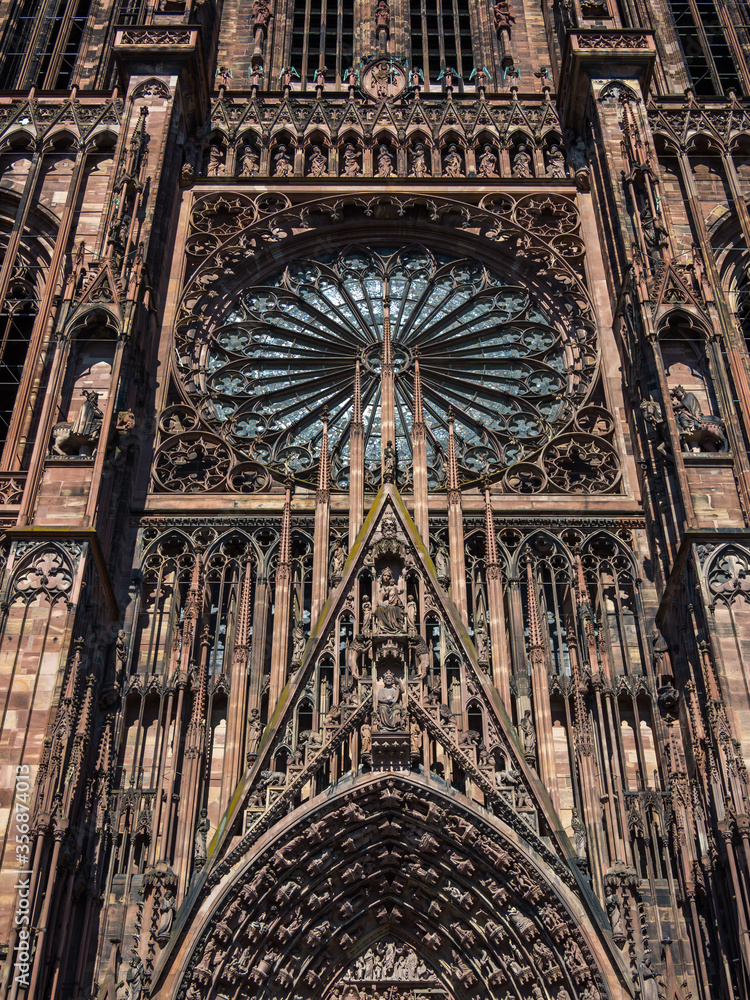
column 389, row 528
column 671, row 289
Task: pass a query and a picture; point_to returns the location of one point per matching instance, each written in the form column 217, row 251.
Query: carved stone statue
column 389, row 463
column 249, row 162
column 419, row 166
column 317, row 164
column 299, row 641
column 521, row 162
column 442, row 564
column 487, row 166
column 579, row 835
column 615, row 915
column 133, row 982
column 578, row 160
column 201, row 832
column 389, row 707
column 282, row 164
column 80, row 436
column 411, row 614
column 649, row 986
column 390, row 609
column 528, row 732
column 351, row 161
column 697, row 432
column 254, row 732
column 385, row 162
column 166, row 912
column 555, row 162
column 338, row 559
column 261, row 13
column 366, row 616
column 453, row 162
column 215, row 166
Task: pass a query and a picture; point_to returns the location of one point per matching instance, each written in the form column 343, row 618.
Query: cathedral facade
column 375, row 500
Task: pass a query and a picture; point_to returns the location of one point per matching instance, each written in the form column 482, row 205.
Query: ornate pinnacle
column 387, row 364
column 418, row 409
column 285, row 545
column 492, row 559
column 324, row 467
column 357, row 414
column 535, row 626
column 454, row 492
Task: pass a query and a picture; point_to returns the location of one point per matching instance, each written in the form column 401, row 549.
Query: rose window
column 488, row 350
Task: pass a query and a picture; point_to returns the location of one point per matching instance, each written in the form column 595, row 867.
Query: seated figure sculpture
column 390, row 610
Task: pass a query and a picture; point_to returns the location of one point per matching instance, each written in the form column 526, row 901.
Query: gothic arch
column 391, row 857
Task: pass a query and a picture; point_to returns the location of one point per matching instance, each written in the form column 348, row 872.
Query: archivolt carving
column 392, row 884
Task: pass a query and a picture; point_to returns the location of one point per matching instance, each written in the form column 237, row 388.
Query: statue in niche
column 80, row 436
column 578, row 159
column 411, row 615
column 528, row 733
column 419, row 166
column 299, row 641
column 556, row 162
column 338, row 559
column 254, row 732
column 697, row 432
column 215, row 166
column 441, row 564
column 366, row 616
column 166, row 911
column 389, row 463
column 389, row 703
column 453, row 164
column 201, row 832
column 282, row 164
column 662, row 664
column 351, row 161
column 579, row 835
column 249, row 162
column 487, row 162
column 317, row 164
column 390, row 609
column 521, row 162
column 615, row 915
column 385, row 162
column 481, row 640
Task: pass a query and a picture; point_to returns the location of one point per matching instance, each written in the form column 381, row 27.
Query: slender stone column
column 540, row 690
column 280, row 641
column 322, row 528
column 419, row 459
column 387, row 404
column 237, row 714
column 356, row 460
column 498, row 639
column 456, row 529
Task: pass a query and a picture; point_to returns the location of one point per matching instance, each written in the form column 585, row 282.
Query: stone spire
column 387, row 394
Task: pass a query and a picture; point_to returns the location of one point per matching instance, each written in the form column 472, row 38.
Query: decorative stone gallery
column 374, row 496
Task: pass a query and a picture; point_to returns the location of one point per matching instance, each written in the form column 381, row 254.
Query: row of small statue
column 420, row 162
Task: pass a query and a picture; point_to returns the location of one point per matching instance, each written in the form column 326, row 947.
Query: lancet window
column 41, row 45
column 708, row 56
column 322, row 36
column 441, row 38
column 17, row 316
